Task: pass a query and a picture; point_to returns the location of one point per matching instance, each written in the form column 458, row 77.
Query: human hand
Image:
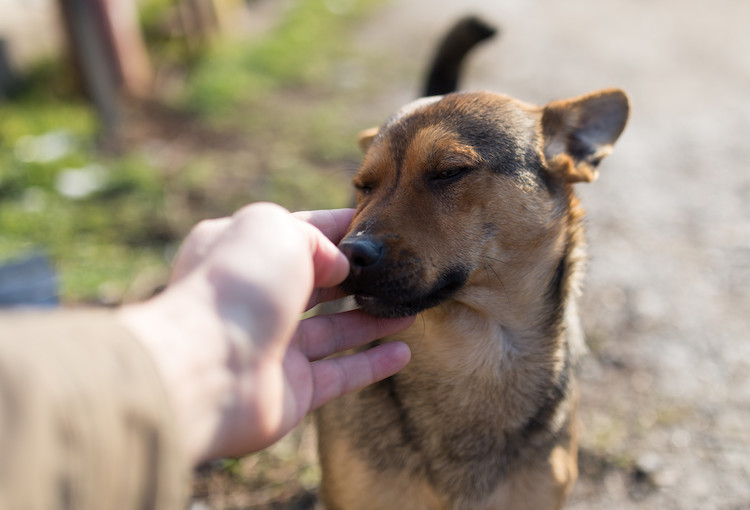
column 241, row 368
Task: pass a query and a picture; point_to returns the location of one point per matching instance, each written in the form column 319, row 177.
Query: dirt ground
column 666, row 386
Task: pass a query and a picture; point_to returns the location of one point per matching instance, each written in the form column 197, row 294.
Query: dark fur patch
column 556, row 395
column 501, row 134
column 468, row 461
column 446, row 66
column 391, row 293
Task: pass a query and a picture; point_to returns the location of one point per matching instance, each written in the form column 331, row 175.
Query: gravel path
column 666, row 388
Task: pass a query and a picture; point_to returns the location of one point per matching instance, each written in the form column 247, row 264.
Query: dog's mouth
column 391, row 297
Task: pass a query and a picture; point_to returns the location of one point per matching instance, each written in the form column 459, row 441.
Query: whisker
column 487, row 272
column 505, row 291
column 493, row 259
column 424, row 328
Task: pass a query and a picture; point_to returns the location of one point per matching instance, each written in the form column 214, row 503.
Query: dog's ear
column 579, row 133
column 365, row 138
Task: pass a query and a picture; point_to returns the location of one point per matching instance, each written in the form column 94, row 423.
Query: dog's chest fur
column 421, row 424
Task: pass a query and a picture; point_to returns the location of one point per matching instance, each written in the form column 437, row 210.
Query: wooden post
column 7, row 76
column 85, row 26
column 129, row 51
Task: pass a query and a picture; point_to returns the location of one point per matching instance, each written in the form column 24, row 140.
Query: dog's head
column 455, row 186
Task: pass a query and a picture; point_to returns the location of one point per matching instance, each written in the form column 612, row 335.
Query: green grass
column 283, row 95
column 301, row 51
column 100, row 239
column 279, row 96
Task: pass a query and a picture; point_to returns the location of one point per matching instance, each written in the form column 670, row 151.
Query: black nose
column 362, row 253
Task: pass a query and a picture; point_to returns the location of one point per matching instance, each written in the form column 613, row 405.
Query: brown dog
column 466, row 215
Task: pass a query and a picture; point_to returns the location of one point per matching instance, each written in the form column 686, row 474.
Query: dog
column 466, row 215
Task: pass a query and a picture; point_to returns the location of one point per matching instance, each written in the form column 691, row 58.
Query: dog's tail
column 456, row 44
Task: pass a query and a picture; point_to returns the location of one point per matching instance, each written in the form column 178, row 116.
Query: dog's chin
column 402, row 305
column 382, row 308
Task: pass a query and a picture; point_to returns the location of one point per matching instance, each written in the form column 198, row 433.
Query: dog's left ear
column 365, row 138
column 579, row 133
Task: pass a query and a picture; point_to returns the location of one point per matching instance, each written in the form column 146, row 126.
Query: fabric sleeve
column 84, row 417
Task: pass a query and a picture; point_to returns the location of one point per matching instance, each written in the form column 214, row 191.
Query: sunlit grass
column 302, row 50
column 99, row 219
column 103, row 219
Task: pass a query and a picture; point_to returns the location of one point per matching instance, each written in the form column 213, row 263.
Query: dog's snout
column 362, row 253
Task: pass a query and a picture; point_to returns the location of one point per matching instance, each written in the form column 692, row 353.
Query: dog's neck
column 511, row 319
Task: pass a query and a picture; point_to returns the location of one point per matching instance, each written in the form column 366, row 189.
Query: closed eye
column 451, row 173
column 363, row 188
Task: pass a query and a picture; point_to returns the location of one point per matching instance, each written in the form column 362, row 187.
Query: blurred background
column 123, row 123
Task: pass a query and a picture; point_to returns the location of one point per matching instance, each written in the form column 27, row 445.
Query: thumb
column 330, row 266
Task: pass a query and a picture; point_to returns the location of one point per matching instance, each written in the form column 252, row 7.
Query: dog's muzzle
column 364, row 255
column 391, row 283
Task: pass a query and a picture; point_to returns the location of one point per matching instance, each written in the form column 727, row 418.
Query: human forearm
column 85, row 421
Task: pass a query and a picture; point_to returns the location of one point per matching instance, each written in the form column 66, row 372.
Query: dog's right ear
column 365, row 138
column 579, row 133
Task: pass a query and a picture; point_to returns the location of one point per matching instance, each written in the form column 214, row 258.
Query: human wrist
column 178, row 336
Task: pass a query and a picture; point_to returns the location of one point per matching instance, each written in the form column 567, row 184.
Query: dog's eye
column 363, row 188
column 449, row 173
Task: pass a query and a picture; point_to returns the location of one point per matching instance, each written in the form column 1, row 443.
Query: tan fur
column 466, row 214
column 365, row 138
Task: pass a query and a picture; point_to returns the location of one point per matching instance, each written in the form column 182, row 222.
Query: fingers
column 324, row 335
column 338, row 376
column 318, row 230
column 333, row 223
column 324, row 295
column 330, row 265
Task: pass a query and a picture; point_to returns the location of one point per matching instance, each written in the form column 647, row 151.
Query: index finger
column 332, row 222
column 323, row 335
column 337, row 376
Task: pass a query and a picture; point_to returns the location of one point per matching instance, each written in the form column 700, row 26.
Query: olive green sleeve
column 84, row 418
